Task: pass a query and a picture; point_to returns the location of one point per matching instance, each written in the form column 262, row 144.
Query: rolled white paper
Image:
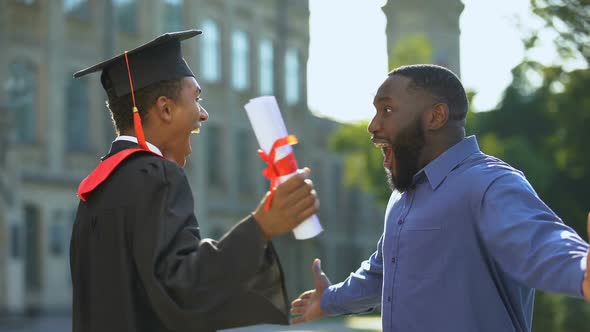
column 267, row 122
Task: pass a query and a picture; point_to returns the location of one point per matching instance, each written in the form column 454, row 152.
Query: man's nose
column 373, row 125
column 203, row 115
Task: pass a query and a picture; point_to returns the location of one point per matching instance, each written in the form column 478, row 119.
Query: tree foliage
column 571, row 20
column 363, row 161
column 411, row 50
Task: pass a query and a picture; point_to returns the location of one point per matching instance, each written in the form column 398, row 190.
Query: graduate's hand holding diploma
column 275, row 149
column 294, row 201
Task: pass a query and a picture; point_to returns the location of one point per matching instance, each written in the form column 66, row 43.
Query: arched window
column 265, row 54
column 214, row 156
column 173, row 15
column 210, row 53
column 292, row 76
column 77, row 8
column 126, row 15
column 240, row 60
column 22, row 91
column 77, row 112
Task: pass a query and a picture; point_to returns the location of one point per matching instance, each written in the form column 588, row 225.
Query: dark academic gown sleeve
column 180, row 281
column 190, row 281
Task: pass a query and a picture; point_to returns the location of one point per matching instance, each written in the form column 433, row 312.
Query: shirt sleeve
column 360, row 292
column 528, row 240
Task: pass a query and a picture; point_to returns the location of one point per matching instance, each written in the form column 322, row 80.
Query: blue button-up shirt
column 464, row 251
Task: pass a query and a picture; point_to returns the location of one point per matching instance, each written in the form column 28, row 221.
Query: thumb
column 320, row 278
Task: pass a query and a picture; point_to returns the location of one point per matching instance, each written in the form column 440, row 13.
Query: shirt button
column 393, row 260
column 389, row 299
column 401, row 221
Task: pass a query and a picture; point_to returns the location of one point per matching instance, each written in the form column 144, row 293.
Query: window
column 15, row 241
column 266, row 67
column 173, row 15
column 210, row 55
column 21, row 86
column 245, row 154
column 240, row 60
column 77, row 123
column 27, row 2
column 57, row 234
column 291, row 77
column 336, row 183
column 214, row 154
column 33, row 249
column 77, row 8
column 126, row 15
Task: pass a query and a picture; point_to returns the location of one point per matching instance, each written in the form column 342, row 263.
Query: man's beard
column 406, row 151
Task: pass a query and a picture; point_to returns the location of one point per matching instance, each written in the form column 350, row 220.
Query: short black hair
column 441, row 83
column 121, row 108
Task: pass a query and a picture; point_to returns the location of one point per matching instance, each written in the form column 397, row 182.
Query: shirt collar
column 438, row 169
column 133, row 139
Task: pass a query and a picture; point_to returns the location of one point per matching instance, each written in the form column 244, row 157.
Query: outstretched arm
column 360, row 292
column 529, row 241
column 308, row 305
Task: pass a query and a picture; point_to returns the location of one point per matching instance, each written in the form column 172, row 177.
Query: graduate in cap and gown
column 138, row 261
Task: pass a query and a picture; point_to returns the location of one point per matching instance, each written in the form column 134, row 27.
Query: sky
column 348, row 57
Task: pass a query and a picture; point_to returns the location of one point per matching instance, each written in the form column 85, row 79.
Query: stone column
column 4, row 239
column 54, row 77
column 421, row 17
column 4, row 111
column 151, row 18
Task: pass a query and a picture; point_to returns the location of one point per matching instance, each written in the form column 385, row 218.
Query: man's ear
column 163, row 108
column 437, row 116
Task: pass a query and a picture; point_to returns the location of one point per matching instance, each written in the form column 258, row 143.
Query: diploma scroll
column 267, row 122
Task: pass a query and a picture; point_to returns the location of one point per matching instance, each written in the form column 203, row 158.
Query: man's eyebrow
column 383, row 98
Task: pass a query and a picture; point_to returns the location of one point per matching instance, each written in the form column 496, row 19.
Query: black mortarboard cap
column 159, row 60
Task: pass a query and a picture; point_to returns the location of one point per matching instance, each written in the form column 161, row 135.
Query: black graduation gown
column 138, row 262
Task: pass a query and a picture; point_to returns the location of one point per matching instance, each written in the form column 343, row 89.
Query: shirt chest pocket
column 421, row 249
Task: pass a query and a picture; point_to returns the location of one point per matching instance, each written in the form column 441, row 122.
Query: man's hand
column 307, row 306
column 586, row 283
column 294, row 201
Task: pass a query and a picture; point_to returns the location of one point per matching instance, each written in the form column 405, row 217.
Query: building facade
column 60, row 127
column 56, row 128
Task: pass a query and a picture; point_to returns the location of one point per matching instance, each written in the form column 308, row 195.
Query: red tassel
column 136, row 118
column 139, row 129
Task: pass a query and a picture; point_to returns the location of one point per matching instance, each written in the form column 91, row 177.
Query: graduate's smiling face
column 183, row 117
column 397, row 129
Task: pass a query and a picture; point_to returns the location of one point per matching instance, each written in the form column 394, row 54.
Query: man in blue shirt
column 466, row 239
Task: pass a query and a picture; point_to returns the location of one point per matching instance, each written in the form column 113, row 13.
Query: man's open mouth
column 388, row 157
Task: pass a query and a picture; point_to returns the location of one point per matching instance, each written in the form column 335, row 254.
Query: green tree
column 363, row 163
column 411, row 50
column 549, row 312
column 571, row 20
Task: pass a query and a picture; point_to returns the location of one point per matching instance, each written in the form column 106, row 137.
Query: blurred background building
column 53, row 129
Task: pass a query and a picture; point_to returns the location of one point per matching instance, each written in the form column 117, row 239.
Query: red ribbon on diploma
column 275, row 169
